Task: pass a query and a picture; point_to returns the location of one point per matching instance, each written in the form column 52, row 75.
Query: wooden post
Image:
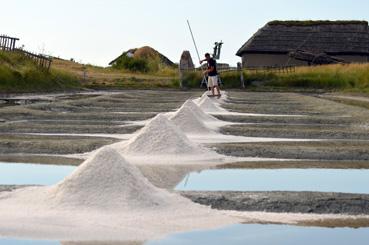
column 13, row 44
column 6, row 44
column 180, row 78
column 48, row 65
column 239, row 69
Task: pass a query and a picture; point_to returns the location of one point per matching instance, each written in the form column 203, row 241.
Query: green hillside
column 20, row 74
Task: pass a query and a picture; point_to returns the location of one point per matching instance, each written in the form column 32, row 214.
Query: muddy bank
column 279, row 202
column 302, row 131
column 39, row 159
column 12, row 143
column 294, row 202
column 327, row 164
column 320, row 150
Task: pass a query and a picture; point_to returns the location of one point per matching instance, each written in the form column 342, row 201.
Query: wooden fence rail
column 259, row 69
column 8, row 44
column 240, row 71
column 271, row 69
column 41, row 60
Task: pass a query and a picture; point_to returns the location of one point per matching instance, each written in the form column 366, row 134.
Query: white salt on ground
column 106, row 198
column 201, row 114
column 162, row 142
column 189, row 118
column 208, row 105
column 221, row 100
column 107, row 176
column 160, row 136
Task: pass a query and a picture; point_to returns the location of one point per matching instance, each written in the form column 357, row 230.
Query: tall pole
column 193, row 40
column 204, row 79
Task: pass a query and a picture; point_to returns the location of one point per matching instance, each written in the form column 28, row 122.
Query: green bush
column 191, row 79
column 231, row 79
column 132, row 64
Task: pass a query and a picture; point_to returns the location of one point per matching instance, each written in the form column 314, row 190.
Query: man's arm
column 202, row 61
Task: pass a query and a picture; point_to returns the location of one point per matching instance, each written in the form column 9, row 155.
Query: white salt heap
column 104, row 198
column 158, row 137
column 199, row 112
column 208, row 105
column 189, row 121
column 162, row 142
column 107, row 176
column 221, row 100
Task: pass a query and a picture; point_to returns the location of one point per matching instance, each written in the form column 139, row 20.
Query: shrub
column 132, row 64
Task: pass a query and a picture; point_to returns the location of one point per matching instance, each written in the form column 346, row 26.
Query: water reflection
column 325, row 180
column 240, row 234
column 32, row 174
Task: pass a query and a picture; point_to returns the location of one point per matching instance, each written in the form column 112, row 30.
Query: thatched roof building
column 271, row 45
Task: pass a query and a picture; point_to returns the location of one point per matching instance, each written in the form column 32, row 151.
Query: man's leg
column 218, row 90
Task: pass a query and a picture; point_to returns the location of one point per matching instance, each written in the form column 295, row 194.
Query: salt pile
column 200, row 114
column 162, row 142
column 208, row 105
column 159, row 137
column 105, row 198
column 206, row 94
column 189, row 121
column 107, row 180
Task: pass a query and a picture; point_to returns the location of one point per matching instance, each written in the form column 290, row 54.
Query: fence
column 8, row 44
column 271, row 69
column 41, row 60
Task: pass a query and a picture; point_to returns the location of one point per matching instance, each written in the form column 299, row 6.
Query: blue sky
column 96, row 31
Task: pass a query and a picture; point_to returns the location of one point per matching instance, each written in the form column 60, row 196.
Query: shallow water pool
column 32, row 174
column 323, row 180
column 243, row 234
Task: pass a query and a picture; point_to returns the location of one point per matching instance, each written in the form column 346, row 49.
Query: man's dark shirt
column 212, row 63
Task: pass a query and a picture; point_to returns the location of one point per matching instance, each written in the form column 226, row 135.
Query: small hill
column 147, row 52
column 142, row 59
column 19, row 73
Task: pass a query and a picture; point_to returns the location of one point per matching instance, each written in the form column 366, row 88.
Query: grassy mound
column 20, row 74
column 144, row 59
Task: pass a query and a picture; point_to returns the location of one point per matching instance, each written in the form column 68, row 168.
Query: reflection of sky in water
column 27, row 242
column 326, row 180
column 36, row 174
column 246, row 234
column 270, row 234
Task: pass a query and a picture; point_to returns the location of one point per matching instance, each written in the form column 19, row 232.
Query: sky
column 97, row 31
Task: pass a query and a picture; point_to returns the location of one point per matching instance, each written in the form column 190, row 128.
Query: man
column 212, row 73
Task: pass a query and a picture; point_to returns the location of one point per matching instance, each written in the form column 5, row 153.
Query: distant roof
column 334, row 37
column 317, row 22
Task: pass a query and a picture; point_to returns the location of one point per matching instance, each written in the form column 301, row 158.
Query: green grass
column 20, row 74
column 351, row 78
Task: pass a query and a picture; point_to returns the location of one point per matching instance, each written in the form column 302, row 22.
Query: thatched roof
column 331, row 37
